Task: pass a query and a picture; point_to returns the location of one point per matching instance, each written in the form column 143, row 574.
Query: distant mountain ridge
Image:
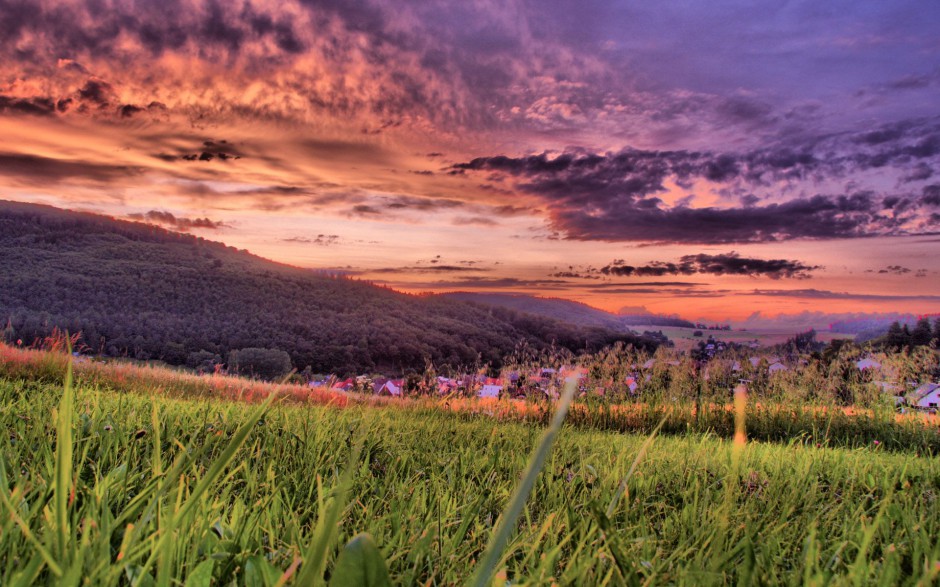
column 572, row 312
column 137, row 290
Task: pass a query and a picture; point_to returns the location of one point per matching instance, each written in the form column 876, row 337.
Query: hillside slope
column 137, row 290
column 569, row 311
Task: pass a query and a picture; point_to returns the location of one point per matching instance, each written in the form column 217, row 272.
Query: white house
column 927, row 396
column 490, row 391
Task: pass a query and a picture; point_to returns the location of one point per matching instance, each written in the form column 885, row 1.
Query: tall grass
column 770, row 418
column 166, row 491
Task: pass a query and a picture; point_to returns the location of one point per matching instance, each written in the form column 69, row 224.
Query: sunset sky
column 711, row 159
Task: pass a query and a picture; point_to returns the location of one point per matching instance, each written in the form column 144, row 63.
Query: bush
column 267, row 364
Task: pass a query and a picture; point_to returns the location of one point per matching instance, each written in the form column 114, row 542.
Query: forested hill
column 137, row 290
column 569, row 311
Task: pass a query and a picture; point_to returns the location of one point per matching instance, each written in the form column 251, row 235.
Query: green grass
column 154, row 490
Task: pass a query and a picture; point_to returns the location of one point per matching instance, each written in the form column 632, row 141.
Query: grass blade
column 507, row 522
column 314, row 562
column 636, row 462
column 63, row 465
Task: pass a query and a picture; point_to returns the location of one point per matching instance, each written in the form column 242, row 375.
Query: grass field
column 150, row 489
column 765, row 337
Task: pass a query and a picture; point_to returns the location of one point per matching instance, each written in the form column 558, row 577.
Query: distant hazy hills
column 569, row 311
column 137, row 290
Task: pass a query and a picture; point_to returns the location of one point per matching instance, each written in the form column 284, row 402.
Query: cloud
column 573, row 275
column 474, row 220
column 722, row 264
column 672, row 292
column 895, row 269
column 323, row 240
column 35, row 106
column 39, row 170
column 601, row 286
column 177, row 222
column 618, row 196
column 489, row 283
column 429, row 269
column 209, row 150
column 832, row 295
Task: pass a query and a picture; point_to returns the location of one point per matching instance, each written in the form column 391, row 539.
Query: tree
column 921, row 334
column 8, row 334
column 203, row 361
column 896, row 337
column 269, row 364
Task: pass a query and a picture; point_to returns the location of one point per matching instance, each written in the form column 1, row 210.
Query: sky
column 707, row 159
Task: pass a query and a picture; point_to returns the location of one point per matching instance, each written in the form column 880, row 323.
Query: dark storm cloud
column 931, row 195
column 547, row 66
column 34, row 106
column 160, row 28
column 42, row 170
column 419, row 203
column 176, row 222
column 97, row 93
column 370, row 206
column 208, row 150
column 96, row 96
column 616, row 196
column 722, row 264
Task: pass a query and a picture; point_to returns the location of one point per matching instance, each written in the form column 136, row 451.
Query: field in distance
column 685, row 339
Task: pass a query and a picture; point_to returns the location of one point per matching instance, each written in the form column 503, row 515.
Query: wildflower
column 876, row 442
column 108, row 428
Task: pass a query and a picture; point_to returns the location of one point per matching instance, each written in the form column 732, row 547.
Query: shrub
column 266, row 364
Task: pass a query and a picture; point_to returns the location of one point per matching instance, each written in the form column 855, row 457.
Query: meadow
column 122, row 479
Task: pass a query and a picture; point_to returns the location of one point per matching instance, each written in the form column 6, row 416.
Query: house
column 927, row 396
column 776, row 367
column 868, row 363
column 390, row 387
column 344, row 385
column 490, row 390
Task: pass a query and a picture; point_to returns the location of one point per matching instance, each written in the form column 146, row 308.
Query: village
column 654, row 374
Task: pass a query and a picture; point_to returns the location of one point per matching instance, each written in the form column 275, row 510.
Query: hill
column 569, row 311
column 140, row 291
